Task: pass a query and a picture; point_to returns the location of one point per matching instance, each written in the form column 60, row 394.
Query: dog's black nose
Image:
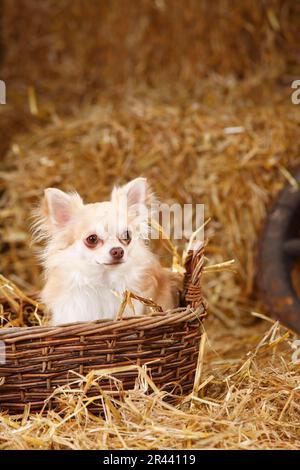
column 117, row 252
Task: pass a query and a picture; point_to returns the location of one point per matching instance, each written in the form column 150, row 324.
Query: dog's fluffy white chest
column 86, row 302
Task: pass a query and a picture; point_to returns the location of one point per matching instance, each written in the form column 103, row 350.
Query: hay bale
column 110, row 43
column 196, row 96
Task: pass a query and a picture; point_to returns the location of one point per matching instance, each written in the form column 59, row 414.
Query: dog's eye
column 92, row 241
column 126, row 237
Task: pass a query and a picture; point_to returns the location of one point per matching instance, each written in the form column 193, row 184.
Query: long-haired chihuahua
column 94, row 252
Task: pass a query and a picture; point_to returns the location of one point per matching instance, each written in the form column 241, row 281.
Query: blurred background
column 195, row 95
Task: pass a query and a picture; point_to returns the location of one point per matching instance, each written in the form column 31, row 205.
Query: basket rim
column 137, row 323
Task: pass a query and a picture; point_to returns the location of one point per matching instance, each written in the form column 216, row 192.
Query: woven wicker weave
column 39, row 359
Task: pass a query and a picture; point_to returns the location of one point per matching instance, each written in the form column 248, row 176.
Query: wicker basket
column 39, row 359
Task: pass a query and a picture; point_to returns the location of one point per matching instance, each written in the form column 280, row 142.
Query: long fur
column 79, row 286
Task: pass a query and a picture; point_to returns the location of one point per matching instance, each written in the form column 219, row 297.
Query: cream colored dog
column 94, row 252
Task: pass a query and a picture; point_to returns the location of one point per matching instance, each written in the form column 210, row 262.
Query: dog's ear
column 137, row 201
column 135, row 192
column 58, row 207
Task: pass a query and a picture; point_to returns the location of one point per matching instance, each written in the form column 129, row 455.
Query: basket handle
column 192, row 293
